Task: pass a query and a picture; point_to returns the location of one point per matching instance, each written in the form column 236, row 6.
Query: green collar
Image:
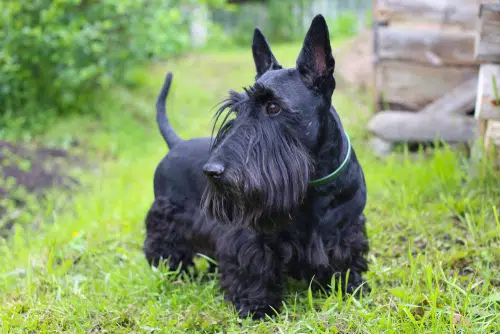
column 339, row 170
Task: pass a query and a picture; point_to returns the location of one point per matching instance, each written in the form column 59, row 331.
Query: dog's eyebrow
column 260, row 93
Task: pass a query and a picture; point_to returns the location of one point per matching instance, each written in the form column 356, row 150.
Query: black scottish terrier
column 278, row 191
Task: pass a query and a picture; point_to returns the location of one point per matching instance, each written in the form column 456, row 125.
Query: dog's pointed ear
column 262, row 55
column 315, row 62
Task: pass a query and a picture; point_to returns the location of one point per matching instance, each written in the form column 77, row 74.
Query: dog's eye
column 272, row 108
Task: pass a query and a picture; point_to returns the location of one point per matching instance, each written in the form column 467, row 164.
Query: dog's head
column 261, row 161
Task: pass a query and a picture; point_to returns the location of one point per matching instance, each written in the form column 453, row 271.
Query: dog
column 277, row 192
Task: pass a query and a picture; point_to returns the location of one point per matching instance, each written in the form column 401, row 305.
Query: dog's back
column 181, row 168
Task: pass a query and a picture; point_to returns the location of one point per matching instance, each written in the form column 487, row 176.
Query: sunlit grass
column 435, row 239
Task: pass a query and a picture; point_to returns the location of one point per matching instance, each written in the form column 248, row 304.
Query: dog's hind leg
column 167, row 235
column 251, row 273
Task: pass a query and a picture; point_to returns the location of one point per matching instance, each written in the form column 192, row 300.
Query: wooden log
column 462, row 13
column 380, row 147
column 457, row 102
column 487, row 41
column 426, row 46
column 414, row 85
column 400, row 126
column 486, row 107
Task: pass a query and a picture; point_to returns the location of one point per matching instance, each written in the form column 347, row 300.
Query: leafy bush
column 280, row 20
column 284, row 21
column 56, row 55
column 344, row 25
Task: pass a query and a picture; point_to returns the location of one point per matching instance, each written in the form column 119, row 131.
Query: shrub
column 344, row 25
column 280, row 20
column 286, row 21
column 56, row 55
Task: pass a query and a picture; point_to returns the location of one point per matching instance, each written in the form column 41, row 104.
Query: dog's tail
column 166, row 129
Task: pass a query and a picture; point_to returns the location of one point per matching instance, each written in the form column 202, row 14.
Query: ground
column 434, row 229
column 27, row 173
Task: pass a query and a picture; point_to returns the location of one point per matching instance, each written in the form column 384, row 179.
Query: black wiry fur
column 272, row 171
column 257, row 215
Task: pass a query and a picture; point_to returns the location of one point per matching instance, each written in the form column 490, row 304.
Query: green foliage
column 344, row 25
column 285, row 19
column 281, row 21
column 55, row 56
column 276, row 18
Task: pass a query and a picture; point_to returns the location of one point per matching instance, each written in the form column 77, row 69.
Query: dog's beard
column 267, row 180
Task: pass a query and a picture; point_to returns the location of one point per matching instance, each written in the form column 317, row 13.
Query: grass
column 434, row 232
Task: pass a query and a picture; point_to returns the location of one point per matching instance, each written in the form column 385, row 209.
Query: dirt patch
column 26, row 172
column 354, row 61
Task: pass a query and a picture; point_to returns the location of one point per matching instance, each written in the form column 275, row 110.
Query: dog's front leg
column 251, row 272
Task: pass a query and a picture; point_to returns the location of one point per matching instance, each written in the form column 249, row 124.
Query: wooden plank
column 429, row 46
column 492, row 135
column 458, row 101
column 401, row 126
column 477, row 149
column 487, row 41
column 462, row 13
column 487, row 144
column 414, row 85
column 486, row 107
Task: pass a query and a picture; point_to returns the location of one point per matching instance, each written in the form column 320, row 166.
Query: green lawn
column 434, row 233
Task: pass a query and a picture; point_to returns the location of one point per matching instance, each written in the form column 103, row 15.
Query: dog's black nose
column 213, row 170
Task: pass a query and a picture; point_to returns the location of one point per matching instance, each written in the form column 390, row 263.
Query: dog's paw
column 256, row 313
column 358, row 289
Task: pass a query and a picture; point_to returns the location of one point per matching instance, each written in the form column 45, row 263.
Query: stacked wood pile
column 425, row 71
column 487, row 49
